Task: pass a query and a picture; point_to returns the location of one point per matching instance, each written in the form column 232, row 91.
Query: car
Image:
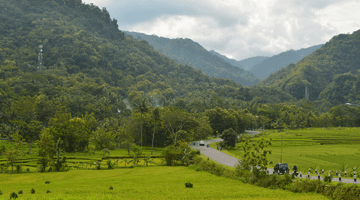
column 281, row 168
column 202, row 143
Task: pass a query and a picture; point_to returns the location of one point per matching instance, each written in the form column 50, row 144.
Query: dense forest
column 188, row 52
column 330, row 72
column 277, row 62
column 98, row 87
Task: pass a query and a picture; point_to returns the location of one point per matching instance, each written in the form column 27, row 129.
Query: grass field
column 82, row 159
column 137, row 183
column 316, row 148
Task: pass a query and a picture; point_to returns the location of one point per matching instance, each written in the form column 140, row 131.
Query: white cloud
column 243, row 29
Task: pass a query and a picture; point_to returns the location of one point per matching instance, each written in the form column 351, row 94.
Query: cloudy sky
column 239, row 29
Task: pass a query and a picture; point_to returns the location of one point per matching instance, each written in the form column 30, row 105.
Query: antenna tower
column 40, row 57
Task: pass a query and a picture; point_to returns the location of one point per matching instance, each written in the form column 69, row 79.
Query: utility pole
column 40, row 57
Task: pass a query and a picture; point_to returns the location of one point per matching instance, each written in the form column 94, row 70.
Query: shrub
column 110, row 164
column 32, row 191
column 327, row 178
column 13, row 195
column 47, row 182
column 171, row 154
column 97, row 165
column 27, row 170
column 20, row 192
column 1, row 193
column 18, row 168
column 188, row 185
column 2, row 150
column 48, row 191
column 111, row 187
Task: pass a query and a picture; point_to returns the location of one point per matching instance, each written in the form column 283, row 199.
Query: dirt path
column 231, row 161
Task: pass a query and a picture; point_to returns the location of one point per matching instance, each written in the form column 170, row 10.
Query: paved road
column 231, row 161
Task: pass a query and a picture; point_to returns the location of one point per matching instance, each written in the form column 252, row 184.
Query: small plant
column 110, row 164
column 111, row 187
column 13, row 195
column 20, row 192
column 47, row 182
column 32, row 191
column 27, row 170
column 48, row 191
column 188, row 185
column 1, row 193
column 106, row 151
column 98, row 165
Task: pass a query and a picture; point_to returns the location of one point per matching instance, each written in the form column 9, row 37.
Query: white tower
column 40, row 57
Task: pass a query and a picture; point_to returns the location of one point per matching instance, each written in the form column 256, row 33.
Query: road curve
column 231, row 161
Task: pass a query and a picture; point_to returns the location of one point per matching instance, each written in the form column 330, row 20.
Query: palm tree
column 156, row 116
column 142, row 109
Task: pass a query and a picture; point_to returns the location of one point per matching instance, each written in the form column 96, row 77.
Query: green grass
column 137, row 183
column 328, row 149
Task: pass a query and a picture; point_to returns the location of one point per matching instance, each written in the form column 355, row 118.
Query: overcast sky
column 239, row 29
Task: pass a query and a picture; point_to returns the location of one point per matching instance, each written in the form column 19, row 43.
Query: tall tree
column 156, row 116
column 142, row 108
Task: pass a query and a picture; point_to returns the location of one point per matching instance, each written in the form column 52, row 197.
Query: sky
column 239, row 29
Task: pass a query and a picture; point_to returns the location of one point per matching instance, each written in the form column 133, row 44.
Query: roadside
column 231, row 161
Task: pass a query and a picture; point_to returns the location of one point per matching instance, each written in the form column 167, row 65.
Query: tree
column 156, row 116
column 46, row 149
column 254, row 156
column 230, row 137
column 142, row 108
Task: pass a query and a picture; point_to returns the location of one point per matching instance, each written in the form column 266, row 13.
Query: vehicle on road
column 202, row 143
column 281, row 168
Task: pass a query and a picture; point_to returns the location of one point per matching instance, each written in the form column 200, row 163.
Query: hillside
column 246, row 64
column 331, row 72
column 188, row 52
column 90, row 66
column 277, row 62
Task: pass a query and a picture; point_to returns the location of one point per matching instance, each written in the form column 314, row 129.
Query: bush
column 327, row 178
column 27, row 170
column 110, row 164
column 1, row 193
column 188, row 185
column 111, row 187
column 171, row 155
column 2, row 150
column 13, row 195
column 18, row 168
column 48, row 191
column 47, row 182
column 20, row 192
column 32, row 191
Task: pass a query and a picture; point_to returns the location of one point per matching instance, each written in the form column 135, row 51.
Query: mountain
column 277, row 62
column 246, row 64
column 330, row 73
column 251, row 62
column 188, row 52
column 89, row 66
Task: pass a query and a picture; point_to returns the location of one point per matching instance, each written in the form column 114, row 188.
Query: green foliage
column 330, row 72
column 188, row 185
column 188, row 52
column 230, row 137
column 255, row 156
column 13, row 195
column 32, row 191
column 109, row 164
column 20, row 192
column 46, row 149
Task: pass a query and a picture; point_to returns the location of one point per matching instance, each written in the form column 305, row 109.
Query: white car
column 202, row 143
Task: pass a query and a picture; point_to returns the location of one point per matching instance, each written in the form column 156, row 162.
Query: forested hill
column 90, row 66
column 246, row 64
column 188, row 52
column 277, row 62
column 331, row 72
